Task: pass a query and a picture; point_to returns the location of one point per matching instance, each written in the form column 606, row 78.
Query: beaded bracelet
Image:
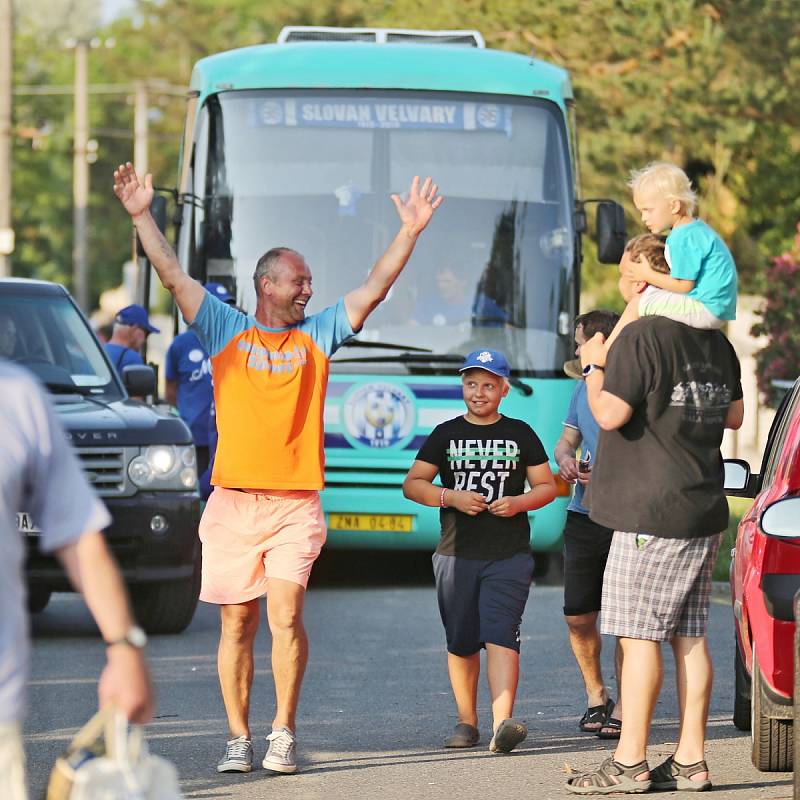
column 441, row 499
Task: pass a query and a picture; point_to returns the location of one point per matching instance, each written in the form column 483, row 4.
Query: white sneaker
column 282, row 753
column 238, row 756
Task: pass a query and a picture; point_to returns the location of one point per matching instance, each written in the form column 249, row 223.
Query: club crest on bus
column 379, row 415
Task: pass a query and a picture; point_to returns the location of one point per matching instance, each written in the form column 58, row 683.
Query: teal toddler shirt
column 696, row 252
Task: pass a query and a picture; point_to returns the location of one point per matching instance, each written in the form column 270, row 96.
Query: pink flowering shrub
column 780, row 322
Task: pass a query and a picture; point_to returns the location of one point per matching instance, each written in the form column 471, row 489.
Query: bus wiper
column 426, row 358
column 384, row 346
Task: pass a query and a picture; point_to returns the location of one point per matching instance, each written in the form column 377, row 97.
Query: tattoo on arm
column 165, row 246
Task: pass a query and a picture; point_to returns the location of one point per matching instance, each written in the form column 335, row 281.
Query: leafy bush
column 780, row 359
column 737, row 507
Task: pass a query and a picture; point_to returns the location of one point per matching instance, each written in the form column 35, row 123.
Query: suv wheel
column 741, row 698
column 166, row 606
column 38, row 598
column 772, row 738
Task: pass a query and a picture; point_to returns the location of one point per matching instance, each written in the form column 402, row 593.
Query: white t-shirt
column 39, row 474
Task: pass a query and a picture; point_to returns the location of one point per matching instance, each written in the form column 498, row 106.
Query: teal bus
column 300, row 143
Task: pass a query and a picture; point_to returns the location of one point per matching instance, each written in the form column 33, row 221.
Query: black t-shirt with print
column 490, row 459
column 661, row 473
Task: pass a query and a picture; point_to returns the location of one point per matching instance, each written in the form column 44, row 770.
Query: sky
column 113, row 8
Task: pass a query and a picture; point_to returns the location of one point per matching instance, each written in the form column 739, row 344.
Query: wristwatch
column 135, row 637
column 590, row 368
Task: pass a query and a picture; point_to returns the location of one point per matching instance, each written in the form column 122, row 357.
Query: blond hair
column 652, row 247
column 667, row 180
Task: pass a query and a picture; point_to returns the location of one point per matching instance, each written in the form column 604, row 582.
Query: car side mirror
column 139, row 380
column 782, row 518
column 739, row 481
column 610, row 232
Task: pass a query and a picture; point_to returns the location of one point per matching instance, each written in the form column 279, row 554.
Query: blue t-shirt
column 40, row 475
column 188, row 364
column 205, row 479
column 122, row 356
column 696, row 252
column 579, row 416
column 434, row 311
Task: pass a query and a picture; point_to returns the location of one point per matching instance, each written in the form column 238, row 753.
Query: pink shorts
column 248, row 538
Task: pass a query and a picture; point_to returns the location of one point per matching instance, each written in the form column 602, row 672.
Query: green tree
column 713, row 86
column 780, row 358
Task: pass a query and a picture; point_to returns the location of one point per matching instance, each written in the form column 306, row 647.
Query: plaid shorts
column 656, row 588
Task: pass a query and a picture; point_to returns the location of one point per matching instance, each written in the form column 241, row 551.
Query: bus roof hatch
column 314, row 33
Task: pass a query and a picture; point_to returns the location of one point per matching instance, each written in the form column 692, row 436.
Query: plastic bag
column 108, row 760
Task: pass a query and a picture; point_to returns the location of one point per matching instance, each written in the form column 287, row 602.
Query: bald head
column 283, row 287
column 269, row 265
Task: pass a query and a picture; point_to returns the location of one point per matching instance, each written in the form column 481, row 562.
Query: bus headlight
column 164, row 467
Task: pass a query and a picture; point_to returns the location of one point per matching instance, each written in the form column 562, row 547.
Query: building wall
column 749, row 441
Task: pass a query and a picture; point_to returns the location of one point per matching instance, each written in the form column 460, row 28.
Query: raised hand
column 416, row 210
column 134, row 196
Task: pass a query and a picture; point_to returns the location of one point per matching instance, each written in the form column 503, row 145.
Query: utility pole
column 80, row 177
column 140, row 128
column 140, row 133
column 6, row 66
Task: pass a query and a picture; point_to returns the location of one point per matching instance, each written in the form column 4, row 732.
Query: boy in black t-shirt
column 483, row 564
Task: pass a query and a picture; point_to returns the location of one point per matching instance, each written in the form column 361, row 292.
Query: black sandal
column 596, row 715
column 672, row 776
column 609, row 778
column 613, row 726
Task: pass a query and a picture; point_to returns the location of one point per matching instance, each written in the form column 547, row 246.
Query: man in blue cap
column 188, row 382
column 131, row 329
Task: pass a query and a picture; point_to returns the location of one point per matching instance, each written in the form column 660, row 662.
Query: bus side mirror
column 158, row 209
column 610, row 232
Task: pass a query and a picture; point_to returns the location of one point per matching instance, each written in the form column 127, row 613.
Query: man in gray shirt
column 40, row 475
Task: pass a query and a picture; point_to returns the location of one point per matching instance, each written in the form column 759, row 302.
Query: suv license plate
column 25, row 524
column 380, row 523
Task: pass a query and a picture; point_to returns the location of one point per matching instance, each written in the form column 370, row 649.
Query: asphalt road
column 376, row 702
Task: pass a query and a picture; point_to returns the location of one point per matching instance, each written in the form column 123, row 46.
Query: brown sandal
column 610, row 777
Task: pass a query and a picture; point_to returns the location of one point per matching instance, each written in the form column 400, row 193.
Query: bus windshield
column 314, row 171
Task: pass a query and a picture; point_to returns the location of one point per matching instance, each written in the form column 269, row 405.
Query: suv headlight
column 164, row 466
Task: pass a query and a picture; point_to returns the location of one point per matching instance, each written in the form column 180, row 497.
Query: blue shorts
column 481, row 602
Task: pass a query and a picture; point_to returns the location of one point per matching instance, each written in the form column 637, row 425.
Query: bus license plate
column 380, row 523
column 25, row 524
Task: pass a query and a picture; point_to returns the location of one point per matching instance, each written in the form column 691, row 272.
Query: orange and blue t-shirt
column 269, row 391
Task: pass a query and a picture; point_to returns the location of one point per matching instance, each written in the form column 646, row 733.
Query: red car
column 765, row 574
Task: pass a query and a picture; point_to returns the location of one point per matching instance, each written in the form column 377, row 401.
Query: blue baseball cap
column 491, row 360
column 218, row 290
column 135, row 315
